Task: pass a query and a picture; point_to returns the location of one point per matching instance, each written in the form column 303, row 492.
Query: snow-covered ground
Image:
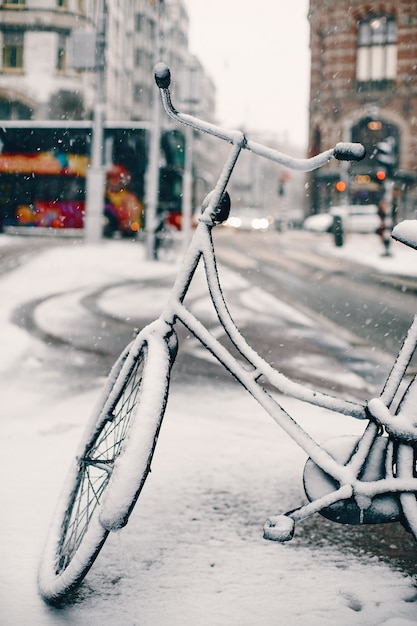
column 193, row 551
column 368, row 250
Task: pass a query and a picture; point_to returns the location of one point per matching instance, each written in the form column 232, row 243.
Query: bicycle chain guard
column 378, row 510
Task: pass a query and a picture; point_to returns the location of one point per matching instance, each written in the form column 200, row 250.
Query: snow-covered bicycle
column 355, row 480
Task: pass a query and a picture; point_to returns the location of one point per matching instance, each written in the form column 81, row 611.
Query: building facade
column 49, row 60
column 36, row 81
column 40, row 79
column 161, row 34
column 364, row 88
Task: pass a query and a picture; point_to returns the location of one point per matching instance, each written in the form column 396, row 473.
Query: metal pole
column 190, row 87
column 96, row 171
column 152, row 174
column 152, row 181
column 344, row 196
column 187, row 187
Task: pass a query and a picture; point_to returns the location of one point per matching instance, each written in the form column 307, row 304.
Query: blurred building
column 364, row 88
column 48, row 65
column 265, row 187
column 161, row 34
column 43, row 51
column 36, row 80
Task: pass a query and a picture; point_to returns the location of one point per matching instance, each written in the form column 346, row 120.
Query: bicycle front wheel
column 77, row 534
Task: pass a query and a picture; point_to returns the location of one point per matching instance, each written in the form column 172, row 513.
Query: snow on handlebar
column 162, row 75
column 349, row 151
column 341, row 152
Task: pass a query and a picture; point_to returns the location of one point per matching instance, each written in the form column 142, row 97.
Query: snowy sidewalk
column 193, row 551
column 368, row 250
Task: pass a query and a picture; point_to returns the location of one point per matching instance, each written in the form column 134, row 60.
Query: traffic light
column 341, row 186
column 386, row 156
column 380, row 175
column 284, row 177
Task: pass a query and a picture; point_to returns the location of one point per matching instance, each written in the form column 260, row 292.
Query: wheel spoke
column 105, row 465
column 96, row 466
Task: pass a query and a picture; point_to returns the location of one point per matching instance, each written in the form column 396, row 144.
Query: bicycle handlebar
column 343, row 151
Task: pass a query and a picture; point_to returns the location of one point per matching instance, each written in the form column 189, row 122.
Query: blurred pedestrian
column 386, row 226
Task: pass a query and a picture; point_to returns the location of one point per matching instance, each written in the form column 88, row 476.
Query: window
column 62, row 4
column 377, row 51
column 138, row 92
column 61, row 54
column 13, row 51
column 138, row 22
column 12, row 110
column 14, row 4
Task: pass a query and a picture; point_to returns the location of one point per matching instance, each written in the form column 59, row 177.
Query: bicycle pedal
column 279, row 528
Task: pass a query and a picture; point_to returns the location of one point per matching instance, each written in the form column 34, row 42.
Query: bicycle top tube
column 342, row 151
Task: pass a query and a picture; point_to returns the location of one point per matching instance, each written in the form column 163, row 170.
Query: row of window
column 13, row 51
column 376, row 54
column 143, row 94
column 17, row 4
column 145, row 25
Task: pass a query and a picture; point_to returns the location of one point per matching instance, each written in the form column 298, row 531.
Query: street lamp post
column 152, row 174
column 187, row 187
column 152, row 181
column 190, row 79
column 96, row 172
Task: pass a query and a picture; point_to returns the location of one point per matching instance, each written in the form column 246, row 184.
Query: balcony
column 19, row 16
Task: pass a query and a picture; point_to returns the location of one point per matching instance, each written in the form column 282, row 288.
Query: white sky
column 257, row 53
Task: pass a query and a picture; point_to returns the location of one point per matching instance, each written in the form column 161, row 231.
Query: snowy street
column 192, row 552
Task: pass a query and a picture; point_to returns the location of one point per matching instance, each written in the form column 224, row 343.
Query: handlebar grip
column 162, row 75
column 349, row 152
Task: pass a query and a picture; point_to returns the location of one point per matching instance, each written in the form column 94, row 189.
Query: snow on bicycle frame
column 215, row 210
column 339, row 474
column 355, row 480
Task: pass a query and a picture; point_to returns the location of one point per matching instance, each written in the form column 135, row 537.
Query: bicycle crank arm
column 357, row 509
column 339, row 503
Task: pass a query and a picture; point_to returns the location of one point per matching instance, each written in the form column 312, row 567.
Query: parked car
column 319, row 223
column 249, row 219
column 356, row 218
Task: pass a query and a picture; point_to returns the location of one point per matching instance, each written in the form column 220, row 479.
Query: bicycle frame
column 355, row 480
column 347, row 474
